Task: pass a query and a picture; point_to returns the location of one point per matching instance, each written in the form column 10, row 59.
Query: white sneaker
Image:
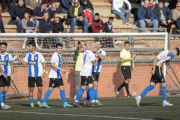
column 127, row 23
column 24, row 45
column 75, row 97
column 137, row 101
column 167, row 104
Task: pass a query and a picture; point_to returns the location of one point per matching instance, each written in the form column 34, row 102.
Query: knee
column 40, row 90
column 18, row 22
column 73, row 20
column 85, row 21
column 31, row 90
column 129, row 12
column 141, row 21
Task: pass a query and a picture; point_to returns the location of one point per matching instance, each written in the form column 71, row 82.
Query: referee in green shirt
column 125, row 57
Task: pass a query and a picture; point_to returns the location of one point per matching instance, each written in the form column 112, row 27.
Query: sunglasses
column 76, row 2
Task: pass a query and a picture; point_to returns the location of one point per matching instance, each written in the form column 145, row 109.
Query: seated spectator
column 97, row 24
column 49, row 3
column 118, row 10
column 52, row 11
column 1, row 24
column 176, row 12
column 14, row 2
column 59, row 28
column 109, row 29
column 38, row 13
column 152, row 3
column 85, row 3
column 29, row 26
column 135, row 6
column 173, row 3
column 76, row 17
column 4, row 5
column 17, row 14
column 64, row 5
column 31, row 5
column 146, row 17
column 88, row 14
column 164, row 15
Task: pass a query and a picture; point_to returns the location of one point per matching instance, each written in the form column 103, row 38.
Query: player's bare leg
column 31, row 89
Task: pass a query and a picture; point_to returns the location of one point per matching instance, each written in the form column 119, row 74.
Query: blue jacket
column 45, row 26
column 31, row 24
column 17, row 11
column 37, row 12
column 65, row 4
column 142, row 12
column 166, row 11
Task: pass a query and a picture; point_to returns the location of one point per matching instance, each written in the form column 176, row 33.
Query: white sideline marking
column 94, row 116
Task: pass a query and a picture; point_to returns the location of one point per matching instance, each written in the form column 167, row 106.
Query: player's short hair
column 127, row 42
column 111, row 18
column 32, row 43
column 96, row 14
column 4, row 43
column 93, row 45
column 177, row 50
column 99, row 41
column 59, row 44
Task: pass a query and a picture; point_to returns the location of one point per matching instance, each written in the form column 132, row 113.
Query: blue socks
column 48, row 93
column 31, row 100
column 38, row 99
column 146, row 90
column 62, row 94
column 79, row 94
column 4, row 95
column 91, row 94
column 88, row 97
column 1, row 97
column 163, row 92
column 96, row 94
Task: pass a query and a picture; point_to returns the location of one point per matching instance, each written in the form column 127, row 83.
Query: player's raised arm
column 101, row 56
column 56, row 67
column 23, row 62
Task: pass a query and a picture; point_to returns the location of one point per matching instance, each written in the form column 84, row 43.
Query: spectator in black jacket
column 59, row 28
column 87, row 2
column 39, row 12
column 4, row 5
column 163, row 15
column 64, row 5
column 17, row 14
column 135, row 6
column 45, row 25
column 52, row 11
column 173, row 3
column 76, row 17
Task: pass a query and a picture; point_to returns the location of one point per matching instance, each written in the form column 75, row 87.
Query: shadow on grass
column 160, row 119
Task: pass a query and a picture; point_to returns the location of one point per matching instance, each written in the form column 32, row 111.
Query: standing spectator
column 135, row 6
column 1, row 24
column 173, row 3
column 84, row 3
column 17, row 14
column 59, row 28
column 49, row 3
column 29, row 26
column 109, row 29
column 64, row 5
column 52, row 11
column 32, row 4
column 97, row 24
column 4, row 5
column 38, row 13
column 176, row 12
column 146, row 17
column 164, row 15
column 76, row 17
column 118, row 10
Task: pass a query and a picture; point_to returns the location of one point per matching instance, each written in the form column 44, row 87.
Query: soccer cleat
column 38, row 104
column 66, row 105
column 95, row 104
column 100, row 104
column 167, row 104
column 129, row 95
column 117, row 92
column 87, row 104
column 45, row 105
column 32, row 105
column 137, row 101
column 8, row 106
column 77, row 104
column 4, row 107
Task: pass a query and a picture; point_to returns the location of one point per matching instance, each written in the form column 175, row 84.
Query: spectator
column 118, row 10
column 146, row 17
column 52, row 11
column 164, row 15
column 4, row 5
column 59, row 28
column 38, row 13
column 14, row 2
column 97, row 24
column 88, row 14
column 152, row 3
column 49, row 3
column 64, row 5
column 29, row 26
column 176, row 12
column 173, row 3
column 17, row 14
column 109, row 29
column 135, row 6
column 76, row 17
column 84, row 3
column 1, row 24
column 32, row 4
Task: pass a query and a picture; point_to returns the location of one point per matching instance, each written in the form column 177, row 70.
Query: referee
column 125, row 57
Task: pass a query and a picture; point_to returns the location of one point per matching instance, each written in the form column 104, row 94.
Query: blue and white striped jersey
column 164, row 56
column 35, row 64
column 99, row 63
column 4, row 62
column 55, row 73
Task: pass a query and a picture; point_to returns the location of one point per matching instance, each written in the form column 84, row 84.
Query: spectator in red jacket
column 88, row 14
column 1, row 24
column 97, row 24
column 49, row 2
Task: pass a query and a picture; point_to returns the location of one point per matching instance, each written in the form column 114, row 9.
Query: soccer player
column 125, row 57
column 56, row 78
column 157, row 75
column 101, row 54
column 7, row 73
column 86, row 75
column 36, row 63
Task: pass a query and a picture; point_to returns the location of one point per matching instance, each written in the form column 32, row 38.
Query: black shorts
column 126, row 71
column 95, row 76
column 86, row 80
column 158, row 77
column 54, row 82
column 32, row 80
column 5, row 82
